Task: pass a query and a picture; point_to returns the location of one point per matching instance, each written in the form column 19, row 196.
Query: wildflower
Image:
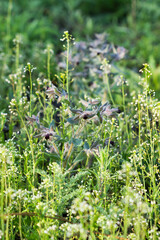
column 104, row 111
column 100, row 40
column 53, row 91
column 1, row 234
column 63, row 95
column 107, row 111
column 81, row 46
column 46, row 132
column 83, row 114
column 33, row 119
column 91, row 102
column 98, row 51
column 119, row 53
column 108, row 141
column 62, row 65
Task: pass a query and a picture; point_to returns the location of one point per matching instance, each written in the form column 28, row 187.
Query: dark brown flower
column 46, row 133
column 83, row 114
column 53, row 91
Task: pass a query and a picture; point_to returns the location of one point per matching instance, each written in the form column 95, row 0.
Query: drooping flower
column 106, row 110
column 91, row 102
column 53, row 91
column 83, row 114
column 46, row 132
column 33, row 119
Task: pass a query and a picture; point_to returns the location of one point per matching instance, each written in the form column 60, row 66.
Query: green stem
column 125, row 115
column 31, row 146
column 2, row 200
column 30, row 78
column 109, row 91
column 67, row 76
column 20, row 222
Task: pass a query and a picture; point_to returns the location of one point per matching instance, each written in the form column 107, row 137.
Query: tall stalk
column 49, row 54
column 30, row 80
column 67, row 37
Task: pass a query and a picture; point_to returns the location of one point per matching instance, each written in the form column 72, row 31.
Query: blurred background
column 133, row 24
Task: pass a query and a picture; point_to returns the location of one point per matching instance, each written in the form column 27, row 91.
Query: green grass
column 79, row 131
column 78, row 168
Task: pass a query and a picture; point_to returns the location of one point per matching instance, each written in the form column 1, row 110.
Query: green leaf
column 99, row 116
column 54, row 156
column 52, row 124
column 80, row 158
column 72, row 121
column 76, row 141
column 41, row 172
column 86, row 145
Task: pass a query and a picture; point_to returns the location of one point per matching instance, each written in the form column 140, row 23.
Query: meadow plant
column 80, row 166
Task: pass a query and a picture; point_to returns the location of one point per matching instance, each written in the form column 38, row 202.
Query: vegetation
column 79, row 122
